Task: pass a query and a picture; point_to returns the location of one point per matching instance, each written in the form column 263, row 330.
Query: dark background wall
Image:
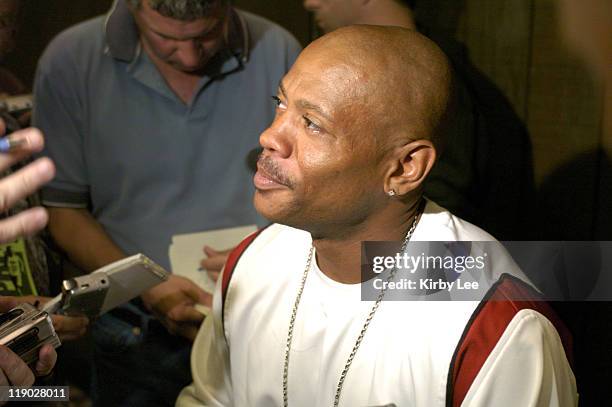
column 40, row 22
column 515, row 42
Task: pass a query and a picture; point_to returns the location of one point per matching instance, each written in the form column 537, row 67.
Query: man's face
column 185, row 45
column 319, row 167
column 332, row 14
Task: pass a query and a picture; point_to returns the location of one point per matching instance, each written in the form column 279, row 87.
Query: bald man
column 484, row 172
column 344, row 162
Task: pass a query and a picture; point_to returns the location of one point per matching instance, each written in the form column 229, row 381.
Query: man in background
column 485, row 171
column 150, row 113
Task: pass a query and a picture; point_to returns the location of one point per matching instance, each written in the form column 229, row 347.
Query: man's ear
column 410, row 165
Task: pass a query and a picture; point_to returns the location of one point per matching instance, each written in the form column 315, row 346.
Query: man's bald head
column 355, row 118
column 403, row 77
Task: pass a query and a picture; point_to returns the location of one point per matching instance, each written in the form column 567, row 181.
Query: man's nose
column 190, row 54
column 276, row 139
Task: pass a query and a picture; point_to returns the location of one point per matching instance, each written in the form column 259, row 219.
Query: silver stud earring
column 391, row 192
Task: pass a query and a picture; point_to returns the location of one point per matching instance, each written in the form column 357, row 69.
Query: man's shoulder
column 512, row 313
column 79, row 41
column 438, row 224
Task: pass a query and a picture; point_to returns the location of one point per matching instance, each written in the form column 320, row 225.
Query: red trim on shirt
column 232, row 260
column 488, row 323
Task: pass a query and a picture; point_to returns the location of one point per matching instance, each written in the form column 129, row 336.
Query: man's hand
column 70, row 328
column 173, row 303
column 214, row 262
column 67, row 328
column 14, row 371
column 23, row 183
column 46, row 360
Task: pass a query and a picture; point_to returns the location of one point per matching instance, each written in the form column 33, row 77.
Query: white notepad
column 186, row 251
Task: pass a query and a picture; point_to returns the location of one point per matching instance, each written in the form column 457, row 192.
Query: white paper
column 187, row 251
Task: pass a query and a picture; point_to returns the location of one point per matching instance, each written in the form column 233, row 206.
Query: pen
column 8, row 144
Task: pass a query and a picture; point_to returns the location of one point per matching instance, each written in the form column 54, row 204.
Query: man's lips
column 265, row 180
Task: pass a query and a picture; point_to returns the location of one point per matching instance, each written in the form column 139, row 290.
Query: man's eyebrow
column 304, row 104
column 170, row 37
column 282, row 88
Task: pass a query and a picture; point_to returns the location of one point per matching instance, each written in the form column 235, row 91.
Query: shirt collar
column 122, row 40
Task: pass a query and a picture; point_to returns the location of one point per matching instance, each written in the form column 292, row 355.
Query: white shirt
column 406, row 353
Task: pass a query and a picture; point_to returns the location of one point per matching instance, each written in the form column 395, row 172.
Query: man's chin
column 325, row 26
column 193, row 71
column 189, row 69
column 271, row 208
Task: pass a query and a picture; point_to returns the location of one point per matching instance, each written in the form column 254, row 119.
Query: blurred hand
column 214, row 262
column 7, row 303
column 70, row 328
column 13, row 370
column 46, row 360
column 173, row 303
column 67, row 328
column 23, row 183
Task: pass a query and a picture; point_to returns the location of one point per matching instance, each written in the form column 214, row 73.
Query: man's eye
column 277, row 100
column 310, row 125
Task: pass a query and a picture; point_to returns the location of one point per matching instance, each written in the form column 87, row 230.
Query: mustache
column 272, row 169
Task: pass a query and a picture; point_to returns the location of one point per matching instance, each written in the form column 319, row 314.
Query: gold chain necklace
column 296, row 305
